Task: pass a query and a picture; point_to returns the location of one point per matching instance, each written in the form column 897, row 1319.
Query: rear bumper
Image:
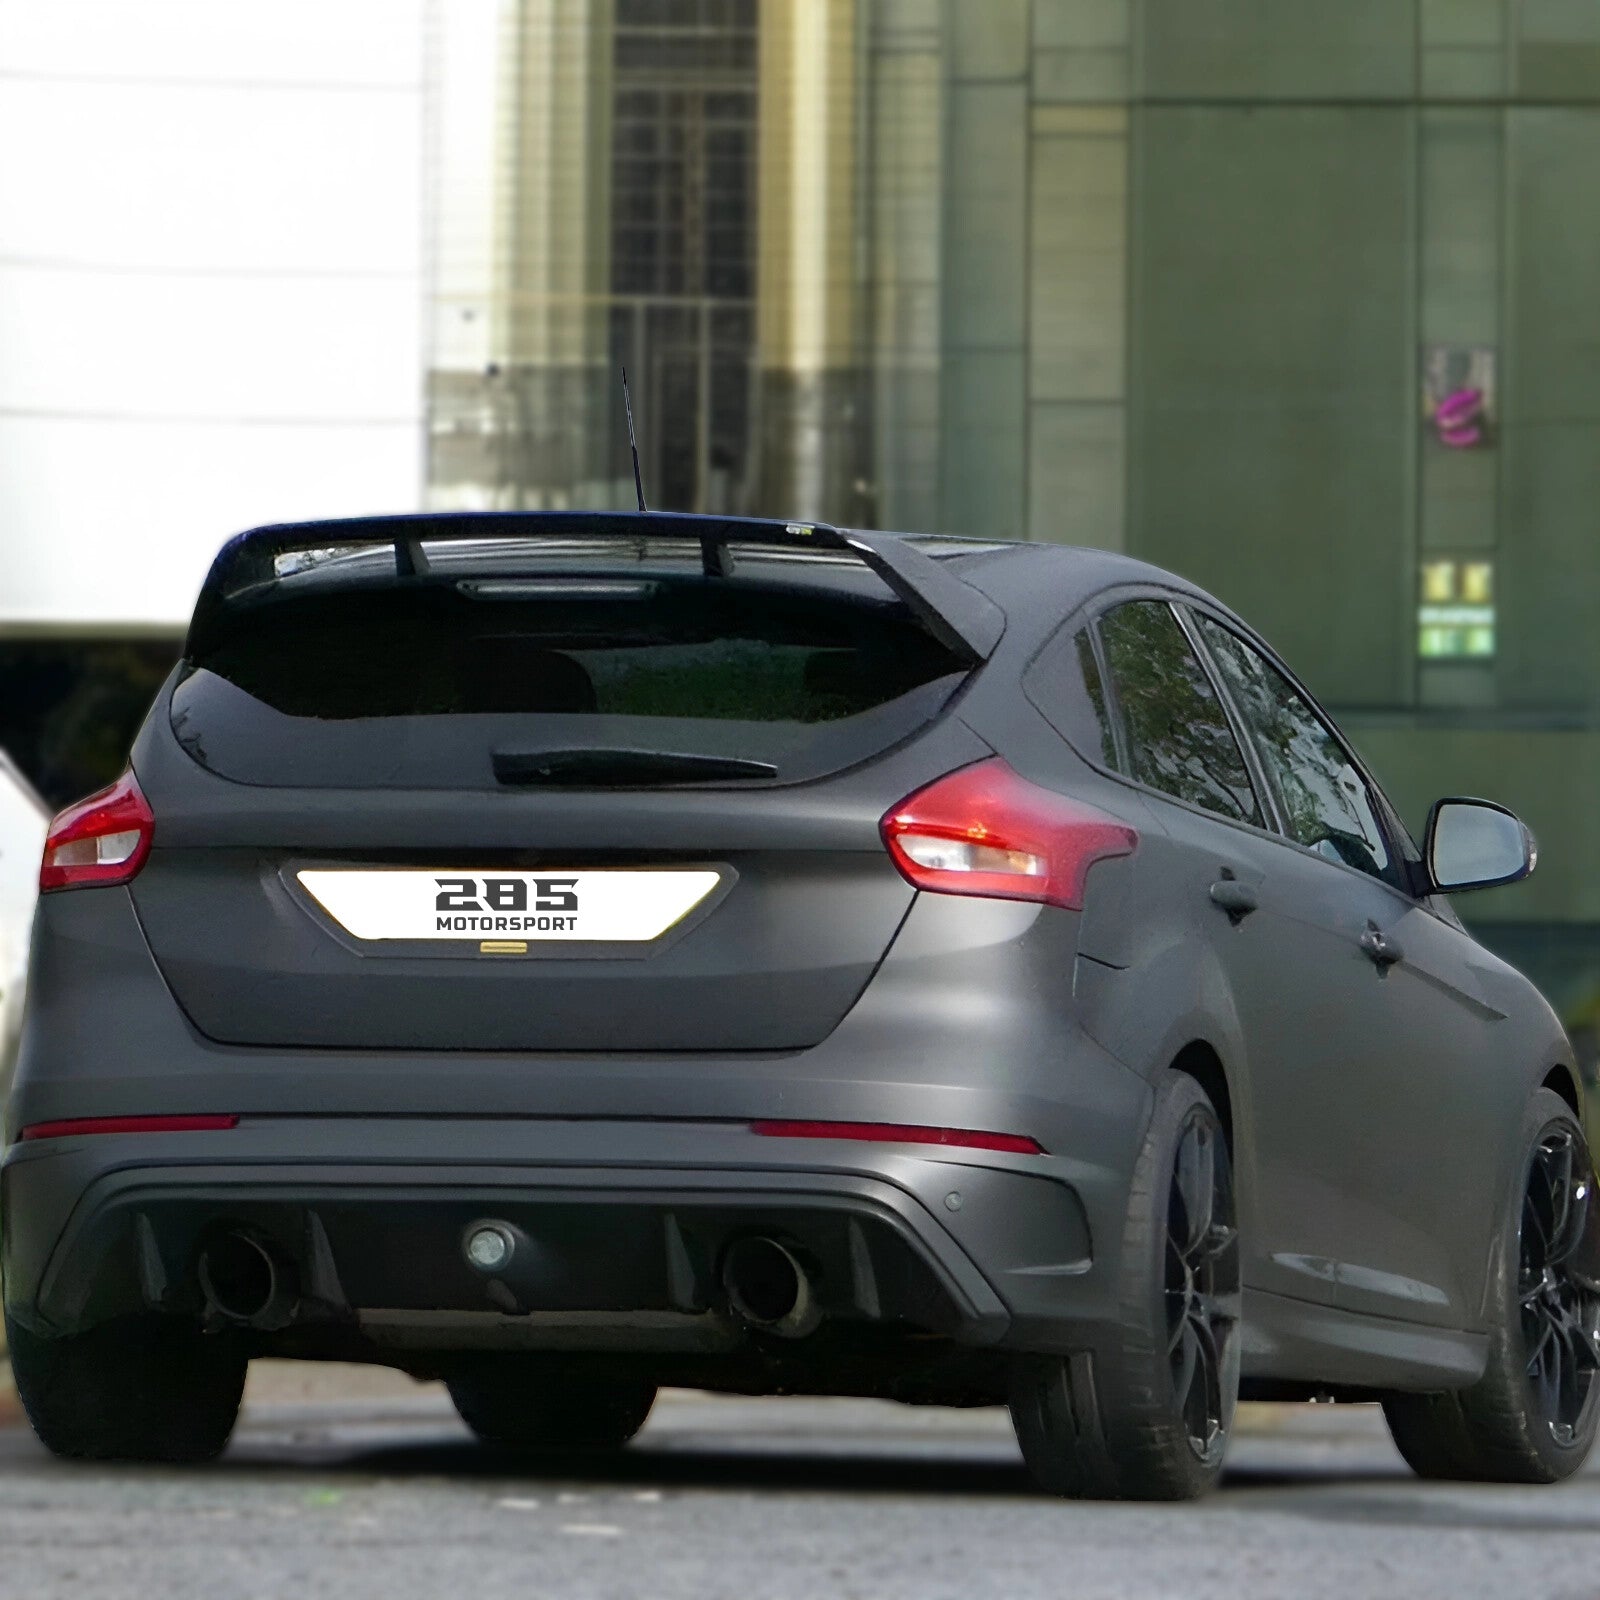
column 621, row 1229
column 630, row 1170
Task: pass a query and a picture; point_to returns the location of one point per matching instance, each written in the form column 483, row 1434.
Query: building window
column 683, row 243
column 1456, row 612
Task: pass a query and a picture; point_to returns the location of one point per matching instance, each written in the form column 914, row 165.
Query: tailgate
column 771, row 958
column 568, row 787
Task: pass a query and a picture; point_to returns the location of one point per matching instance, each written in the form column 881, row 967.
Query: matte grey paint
column 1375, row 1106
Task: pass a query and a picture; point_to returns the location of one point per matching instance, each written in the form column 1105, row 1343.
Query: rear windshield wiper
column 622, row 768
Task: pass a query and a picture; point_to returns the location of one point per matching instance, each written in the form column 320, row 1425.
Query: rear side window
column 1097, row 724
column 1065, row 685
column 1179, row 739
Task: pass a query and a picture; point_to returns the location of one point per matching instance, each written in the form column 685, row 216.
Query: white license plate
column 601, row 906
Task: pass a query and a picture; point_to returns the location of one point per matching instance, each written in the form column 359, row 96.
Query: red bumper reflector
column 1015, row 1144
column 76, row 1125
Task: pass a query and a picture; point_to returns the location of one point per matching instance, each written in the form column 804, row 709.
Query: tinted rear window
column 686, row 663
column 670, row 650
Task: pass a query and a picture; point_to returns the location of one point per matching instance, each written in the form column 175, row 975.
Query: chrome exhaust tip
column 768, row 1288
column 243, row 1283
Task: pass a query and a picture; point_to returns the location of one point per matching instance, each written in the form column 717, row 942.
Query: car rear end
column 605, row 937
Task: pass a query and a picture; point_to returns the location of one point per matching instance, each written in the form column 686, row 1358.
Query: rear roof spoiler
column 961, row 617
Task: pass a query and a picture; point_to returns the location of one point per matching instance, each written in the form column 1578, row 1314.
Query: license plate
column 610, row 905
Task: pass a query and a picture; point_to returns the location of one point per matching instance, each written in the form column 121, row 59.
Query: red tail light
column 983, row 830
column 103, row 839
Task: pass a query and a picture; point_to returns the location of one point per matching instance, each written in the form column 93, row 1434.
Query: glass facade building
column 1300, row 299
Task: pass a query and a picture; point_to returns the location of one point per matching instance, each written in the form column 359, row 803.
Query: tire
column 1533, row 1415
column 545, row 1411
column 1148, row 1417
column 143, row 1389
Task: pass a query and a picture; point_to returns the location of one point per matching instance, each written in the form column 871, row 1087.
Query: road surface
column 342, row 1483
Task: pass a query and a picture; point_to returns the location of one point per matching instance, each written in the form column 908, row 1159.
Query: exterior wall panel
column 1272, row 376
column 1278, row 49
column 1550, row 660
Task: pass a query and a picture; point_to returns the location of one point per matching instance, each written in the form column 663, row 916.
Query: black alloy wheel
column 1202, row 1284
column 1147, row 1415
column 1533, row 1415
column 1560, row 1312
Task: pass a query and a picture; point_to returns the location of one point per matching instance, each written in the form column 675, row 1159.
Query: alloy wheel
column 1560, row 1313
column 1202, row 1284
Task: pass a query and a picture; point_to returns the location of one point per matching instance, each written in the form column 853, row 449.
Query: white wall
column 22, row 830
column 472, row 66
column 211, row 296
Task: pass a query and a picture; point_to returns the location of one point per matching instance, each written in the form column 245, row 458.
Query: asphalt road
column 363, row 1488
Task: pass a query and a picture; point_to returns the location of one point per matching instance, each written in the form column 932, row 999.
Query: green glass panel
column 1279, row 49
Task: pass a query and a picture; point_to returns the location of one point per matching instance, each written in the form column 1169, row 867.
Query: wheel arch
column 1199, row 1060
column 1564, row 1081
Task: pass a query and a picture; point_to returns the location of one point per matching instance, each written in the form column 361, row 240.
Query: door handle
column 1237, row 899
column 1379, row 948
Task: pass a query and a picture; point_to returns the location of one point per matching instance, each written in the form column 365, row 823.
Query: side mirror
column 1475, row 844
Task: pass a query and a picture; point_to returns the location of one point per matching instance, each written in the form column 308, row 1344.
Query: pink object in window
column 1458, row 419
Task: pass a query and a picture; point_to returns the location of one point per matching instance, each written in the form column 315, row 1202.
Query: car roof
column 1038, row 585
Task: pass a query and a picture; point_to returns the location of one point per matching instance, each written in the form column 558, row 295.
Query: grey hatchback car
column 568, row 954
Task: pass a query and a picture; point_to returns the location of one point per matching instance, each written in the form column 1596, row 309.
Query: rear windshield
column 397, row 684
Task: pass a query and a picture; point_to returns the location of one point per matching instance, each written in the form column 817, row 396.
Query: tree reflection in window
column 1325, row 800
column 1179, row 739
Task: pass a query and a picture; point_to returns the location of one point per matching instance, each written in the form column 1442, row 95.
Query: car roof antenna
column 633, row 444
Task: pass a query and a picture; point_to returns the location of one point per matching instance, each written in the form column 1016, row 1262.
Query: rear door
column 1220, row 949
column 630, row 804
column 1359, row 1135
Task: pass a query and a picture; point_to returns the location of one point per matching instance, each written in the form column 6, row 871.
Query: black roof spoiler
column 958, row 615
